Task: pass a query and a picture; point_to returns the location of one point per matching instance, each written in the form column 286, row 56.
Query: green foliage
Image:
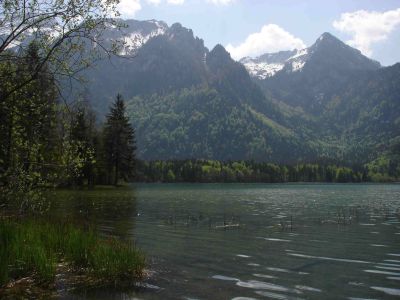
column 33, row 248
column 204, row 123
column 245, row 171
column 119, row 143
column 24, row 191
column 70, row 46
column 386, row 167
column 44, row 143
column 116, row 261
column 28, row 132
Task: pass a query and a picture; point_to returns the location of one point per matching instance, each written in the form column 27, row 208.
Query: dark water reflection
column 293, row 241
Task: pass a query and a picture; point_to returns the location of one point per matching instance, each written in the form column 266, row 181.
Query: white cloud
column 271, row 38
column 220, row 2
column 154, row 2
column 128, row 8
column 367, row 27
column 176, row 2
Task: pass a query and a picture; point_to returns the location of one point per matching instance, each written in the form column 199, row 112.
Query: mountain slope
column 226, row 118
column 311, row 77
column 353, row 101
column 327, row 102
column 367, row 113
column 166, row 62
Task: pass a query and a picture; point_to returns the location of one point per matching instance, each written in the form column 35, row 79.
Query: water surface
column 287, row 241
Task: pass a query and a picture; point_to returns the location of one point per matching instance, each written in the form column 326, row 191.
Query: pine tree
column 119, row 143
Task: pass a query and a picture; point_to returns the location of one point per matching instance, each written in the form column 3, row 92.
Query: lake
column 250, row 241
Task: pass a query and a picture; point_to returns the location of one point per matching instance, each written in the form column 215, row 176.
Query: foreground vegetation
column 41, row 250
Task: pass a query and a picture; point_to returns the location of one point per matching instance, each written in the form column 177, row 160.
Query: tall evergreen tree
column 119, row 143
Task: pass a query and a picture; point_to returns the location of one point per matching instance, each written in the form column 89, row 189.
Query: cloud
column 176, row 2
column 220, row 2
column 128, row 8
column 367, row 27
column 154, row 2
column 271, row 38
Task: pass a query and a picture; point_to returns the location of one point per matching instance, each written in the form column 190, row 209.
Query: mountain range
column 327, row 102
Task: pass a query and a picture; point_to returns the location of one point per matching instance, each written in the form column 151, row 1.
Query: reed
column 35, row 247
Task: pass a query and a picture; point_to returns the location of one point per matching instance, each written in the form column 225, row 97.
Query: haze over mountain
column 326, row 102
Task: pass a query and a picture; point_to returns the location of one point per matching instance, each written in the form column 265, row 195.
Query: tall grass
column 33, row 248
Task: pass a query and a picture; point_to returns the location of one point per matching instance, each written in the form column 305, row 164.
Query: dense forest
column 251, row 171
column 48, row 143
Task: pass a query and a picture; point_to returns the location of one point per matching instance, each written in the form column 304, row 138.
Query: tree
column 28, row 139
column 84, row 136
column 28, row 121
column 119, row 143
column 62, row 30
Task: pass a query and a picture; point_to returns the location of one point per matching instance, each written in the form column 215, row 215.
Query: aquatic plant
column 36, row 247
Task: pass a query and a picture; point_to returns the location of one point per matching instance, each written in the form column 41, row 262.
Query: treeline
column 43, row 141
column 249, row 171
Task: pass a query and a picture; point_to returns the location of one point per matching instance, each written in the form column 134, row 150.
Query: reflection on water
column 236, row 241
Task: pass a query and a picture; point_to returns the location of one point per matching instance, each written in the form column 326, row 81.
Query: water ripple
column 276, row 296
column 329, row 258
column 388, row 291
column 382, row 272
column 226, row 278
column 307, row 288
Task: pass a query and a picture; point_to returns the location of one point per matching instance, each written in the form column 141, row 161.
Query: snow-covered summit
column 327, row 50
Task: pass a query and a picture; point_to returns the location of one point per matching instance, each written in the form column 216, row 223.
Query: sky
column 255, row 27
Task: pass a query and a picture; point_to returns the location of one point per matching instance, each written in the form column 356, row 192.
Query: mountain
column 327, row 102
column 226, row 117
column 352, row 100
column 312, row 76
column 170, row 58
column 328, row 50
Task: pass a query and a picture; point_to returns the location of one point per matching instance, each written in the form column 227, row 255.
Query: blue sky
column 373, row 26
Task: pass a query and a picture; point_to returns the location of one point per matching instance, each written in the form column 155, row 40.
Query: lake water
column 251, row 241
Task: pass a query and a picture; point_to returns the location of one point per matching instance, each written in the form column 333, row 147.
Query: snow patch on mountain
column 133, row 41
column 269, row 64
column 297, row 62
column 263, row 70
column 297, row 65
column 299, row 53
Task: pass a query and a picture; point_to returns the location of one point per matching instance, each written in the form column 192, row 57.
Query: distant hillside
column 324, row 103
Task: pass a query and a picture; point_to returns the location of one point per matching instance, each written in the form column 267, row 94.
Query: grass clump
column 35, row 248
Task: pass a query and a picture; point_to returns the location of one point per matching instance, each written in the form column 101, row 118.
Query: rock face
column 327, row 50
column 312, row 76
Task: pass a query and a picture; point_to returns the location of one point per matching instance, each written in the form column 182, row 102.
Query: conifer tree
column 119, row 143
